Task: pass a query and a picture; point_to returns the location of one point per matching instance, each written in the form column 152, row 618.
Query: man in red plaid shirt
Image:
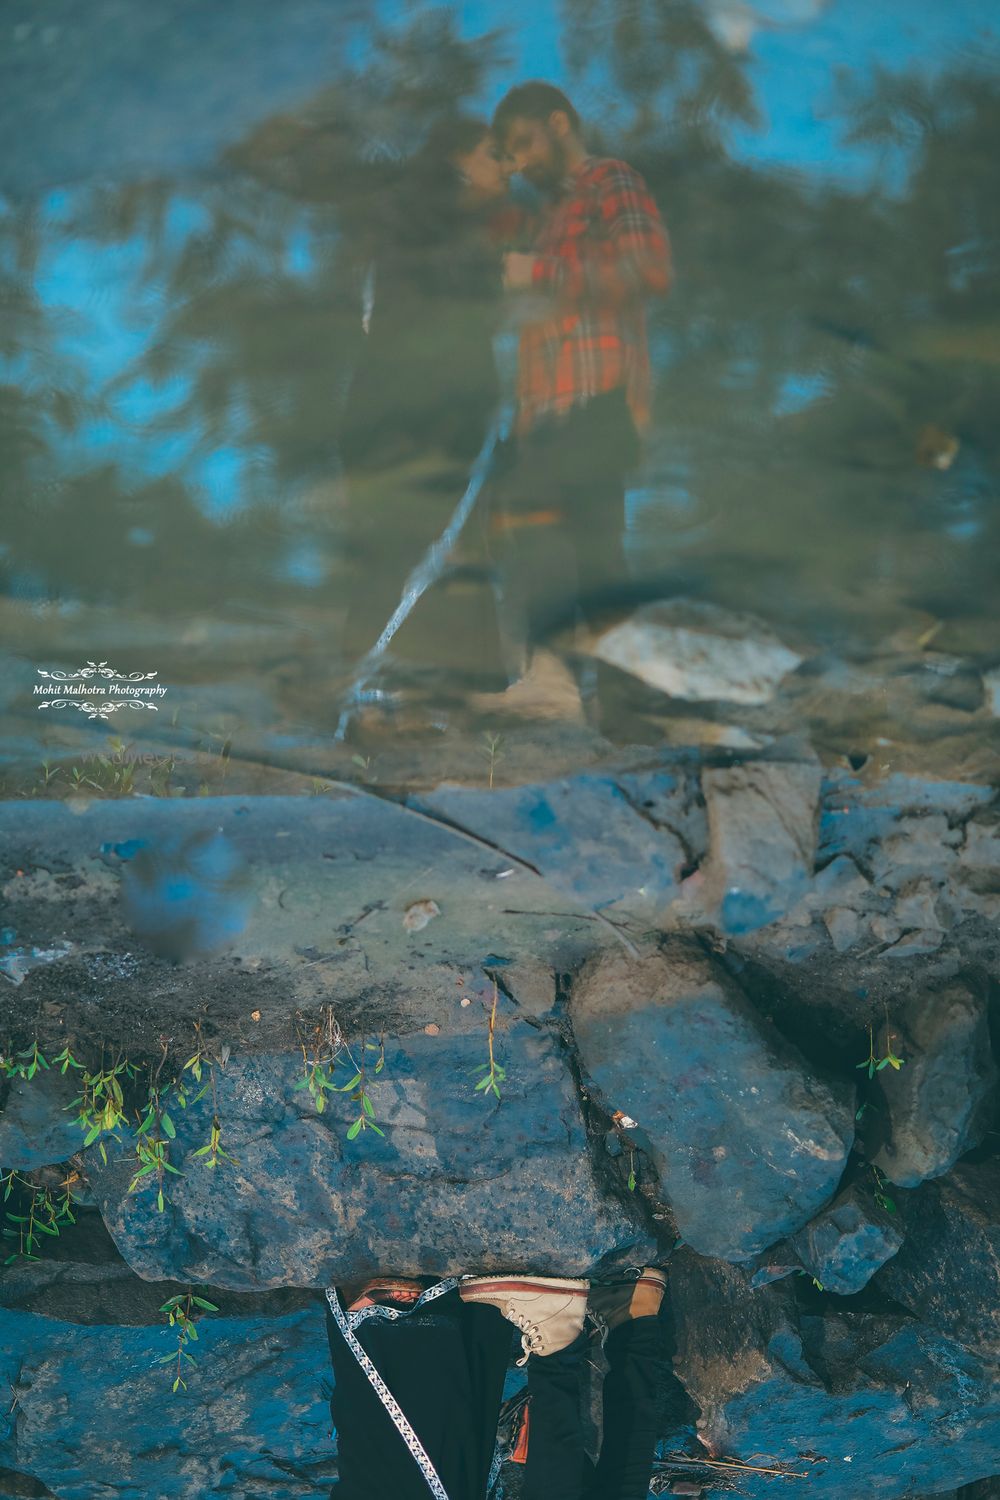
column 598, row 250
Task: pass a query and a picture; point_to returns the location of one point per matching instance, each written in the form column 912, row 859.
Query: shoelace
column 531, row 1338
column 601, row 1324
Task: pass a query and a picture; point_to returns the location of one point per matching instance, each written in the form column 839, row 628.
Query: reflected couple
column 420, row 1370
column 563, row 270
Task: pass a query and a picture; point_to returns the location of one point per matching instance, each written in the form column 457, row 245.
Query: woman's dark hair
column 533, row 101
column 431, row 196
column 455, row 135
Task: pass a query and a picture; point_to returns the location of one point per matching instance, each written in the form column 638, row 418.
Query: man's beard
column 551, row 177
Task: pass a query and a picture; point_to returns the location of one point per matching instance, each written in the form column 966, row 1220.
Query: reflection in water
column 187, row 373
column 185, row 896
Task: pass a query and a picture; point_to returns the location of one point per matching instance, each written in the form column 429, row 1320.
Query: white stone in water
column 699, row 652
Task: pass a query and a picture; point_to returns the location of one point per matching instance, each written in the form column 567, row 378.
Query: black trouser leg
column 561, row 503
column 445, row 1364
column 557, row 1462
column 634, row 1390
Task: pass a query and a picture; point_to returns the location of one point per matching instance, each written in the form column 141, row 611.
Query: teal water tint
column 189, row 219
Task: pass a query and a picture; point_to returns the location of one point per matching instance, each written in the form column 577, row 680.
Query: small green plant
column 154, row 1133
column 194, row 1066
column 631, row 1172
column 873, row 1064
column 317, row 1070
column 364, row 764
column 46, row 1215
column 360, row 1096
column 179, row 1312
column 67, row 1060
column 100, row 1105
column 491, row 748
column 882, row 1198
column 493, row 1072
column 25, row 1064
column 213, row 1151
column 49, row 773
column 160, row 774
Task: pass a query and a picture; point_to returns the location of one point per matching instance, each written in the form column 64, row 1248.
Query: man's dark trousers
column 636, row 1390
column 557, row 519
column 445, row 1364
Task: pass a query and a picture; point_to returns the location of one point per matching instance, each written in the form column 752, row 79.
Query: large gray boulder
column 940, row 1103
column 748, row 1140
column 868, row 1403
column 460, row 1181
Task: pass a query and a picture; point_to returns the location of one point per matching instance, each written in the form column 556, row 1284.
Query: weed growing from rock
column 179, row 1315
column 101, row 1102
column 360, row 1095
column 492, row 750
column 320, row 1058
column 46, row 1214
column 882, row 1198
column 493, row 1072
column 214, row 1151
column 158, row 1129
column 25, row 1064
column 875, row 1064
column 327, row 1045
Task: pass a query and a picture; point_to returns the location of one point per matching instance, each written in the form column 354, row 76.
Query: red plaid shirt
column 600, row 250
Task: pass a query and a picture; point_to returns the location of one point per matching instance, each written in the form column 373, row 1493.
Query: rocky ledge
column 737, row 1012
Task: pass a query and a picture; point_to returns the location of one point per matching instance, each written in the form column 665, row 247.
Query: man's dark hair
column 533, row 101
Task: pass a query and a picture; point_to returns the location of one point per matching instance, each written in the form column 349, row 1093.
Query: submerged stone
column 586, row 835
column 694, row 650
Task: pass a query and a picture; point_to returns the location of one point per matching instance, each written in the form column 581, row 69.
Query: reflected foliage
column 175, row 354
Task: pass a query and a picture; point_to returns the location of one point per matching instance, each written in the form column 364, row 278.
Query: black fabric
column 550, row 572
column 420, row 404
column 426, row 379
column 636, row 1389
column 445, row 1364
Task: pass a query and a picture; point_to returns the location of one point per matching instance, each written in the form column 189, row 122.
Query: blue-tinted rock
column 587, row 836
column 877, row 1404
column 95, row 1416
column 762, row 821
column 940, row 1103
column 459, row 1182
column 948, row 1270
column 848, row 1241
column 36, row 1127
column 749, row 1141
